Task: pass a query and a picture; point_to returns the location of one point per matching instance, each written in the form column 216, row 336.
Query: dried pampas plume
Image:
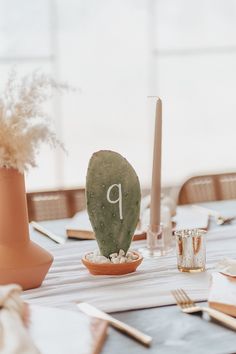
column 24, row 124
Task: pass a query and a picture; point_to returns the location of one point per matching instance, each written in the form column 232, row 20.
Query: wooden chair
column 208, row 188
column 55, row 204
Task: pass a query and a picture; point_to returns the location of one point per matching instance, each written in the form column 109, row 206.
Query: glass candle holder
column 191, row 250
column 160, row 240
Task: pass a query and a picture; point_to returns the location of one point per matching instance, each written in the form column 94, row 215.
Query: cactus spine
column 113, row 200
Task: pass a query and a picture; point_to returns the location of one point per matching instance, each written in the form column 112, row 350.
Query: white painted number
column 119, row 199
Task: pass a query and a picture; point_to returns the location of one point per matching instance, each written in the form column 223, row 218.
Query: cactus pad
column 113, row 201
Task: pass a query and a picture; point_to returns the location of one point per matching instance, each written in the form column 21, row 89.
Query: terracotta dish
column 111, row 268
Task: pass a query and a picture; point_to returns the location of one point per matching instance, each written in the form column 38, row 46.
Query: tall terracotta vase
column 21, row 260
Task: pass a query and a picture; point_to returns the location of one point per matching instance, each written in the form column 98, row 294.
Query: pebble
column 115, row 258
column 134, row 256
column 97, row 259
column 121, row 253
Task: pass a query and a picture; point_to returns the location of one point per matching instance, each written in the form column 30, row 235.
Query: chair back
column 55, row 204
column 208, row 188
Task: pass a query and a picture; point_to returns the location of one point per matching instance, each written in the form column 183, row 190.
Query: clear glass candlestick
column 159, row 238
column 191, row 251
column 159, row 242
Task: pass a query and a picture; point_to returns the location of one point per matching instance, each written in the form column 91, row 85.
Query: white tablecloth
column 68, row 281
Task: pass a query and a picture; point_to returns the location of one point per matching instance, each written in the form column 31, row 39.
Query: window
column 118, row 53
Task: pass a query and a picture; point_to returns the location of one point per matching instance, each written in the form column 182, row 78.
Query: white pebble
column 134, row 256
column 115, row 260
column 94, row 258
column 121, row 253
column 89, row 256
column 101, row 259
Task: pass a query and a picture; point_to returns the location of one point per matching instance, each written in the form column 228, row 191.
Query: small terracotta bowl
column 111, row 268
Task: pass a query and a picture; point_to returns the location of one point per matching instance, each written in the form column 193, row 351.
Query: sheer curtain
column 118, row 53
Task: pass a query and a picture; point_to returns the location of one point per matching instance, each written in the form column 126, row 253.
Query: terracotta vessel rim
column 111, row 268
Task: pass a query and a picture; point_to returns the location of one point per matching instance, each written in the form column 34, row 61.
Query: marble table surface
column 172, row 330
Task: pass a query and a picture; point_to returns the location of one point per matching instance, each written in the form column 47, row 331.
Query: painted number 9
column 118, row 200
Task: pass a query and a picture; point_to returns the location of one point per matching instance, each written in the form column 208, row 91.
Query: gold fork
column 188, row 306
column 221, row 220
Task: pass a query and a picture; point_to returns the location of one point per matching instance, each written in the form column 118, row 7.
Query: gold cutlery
column 121, row 326
column 220, row 220
column 48, row 233
column 188, row 306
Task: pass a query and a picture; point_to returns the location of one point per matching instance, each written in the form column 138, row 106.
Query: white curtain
column 118, row 52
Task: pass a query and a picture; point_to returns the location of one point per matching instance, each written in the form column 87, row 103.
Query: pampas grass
column 24, row 124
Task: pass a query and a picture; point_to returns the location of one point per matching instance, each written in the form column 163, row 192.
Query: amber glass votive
column 191, row 250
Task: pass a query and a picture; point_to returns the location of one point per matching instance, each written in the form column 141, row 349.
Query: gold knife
column 48, row 233
column 121, row 326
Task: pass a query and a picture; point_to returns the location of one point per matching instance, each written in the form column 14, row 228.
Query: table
column 172, row 331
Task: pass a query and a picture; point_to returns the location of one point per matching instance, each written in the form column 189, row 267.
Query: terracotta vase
column 21, row 260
